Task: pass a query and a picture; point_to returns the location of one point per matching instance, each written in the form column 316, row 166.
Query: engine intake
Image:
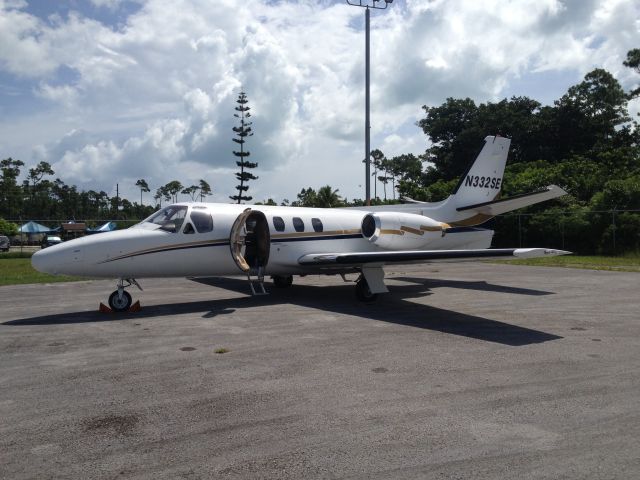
column 401, row 231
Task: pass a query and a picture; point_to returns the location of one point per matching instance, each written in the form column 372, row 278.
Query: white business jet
column 209, row 239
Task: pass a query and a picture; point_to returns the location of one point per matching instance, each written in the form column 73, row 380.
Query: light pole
column 368, row 4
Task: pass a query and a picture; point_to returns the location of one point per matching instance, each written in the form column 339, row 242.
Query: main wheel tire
column 120, row 303
column 363, row 292
column 283, row 281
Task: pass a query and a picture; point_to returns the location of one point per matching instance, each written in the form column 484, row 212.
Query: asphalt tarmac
column 462, row 371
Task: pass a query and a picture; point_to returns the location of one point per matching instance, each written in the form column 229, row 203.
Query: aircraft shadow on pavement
column 472, row 285
column 393, row 308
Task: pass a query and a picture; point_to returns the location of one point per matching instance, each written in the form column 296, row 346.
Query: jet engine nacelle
column 401, row 231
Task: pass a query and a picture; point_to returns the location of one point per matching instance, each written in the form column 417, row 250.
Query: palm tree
column 144, row 187
column 327, row 197
column 377, row 159
column 386, row 168
column 384, row 179
column 192, row 191
column 160, row 194
column 205, row 189
column 171, row 190
column 395, row 169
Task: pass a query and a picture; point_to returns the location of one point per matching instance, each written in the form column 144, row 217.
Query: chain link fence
column 588, row 232
column 605, row 232
column 31, row 240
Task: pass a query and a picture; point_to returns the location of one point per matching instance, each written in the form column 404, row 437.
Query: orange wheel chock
column 132, row 309
column 104, row 309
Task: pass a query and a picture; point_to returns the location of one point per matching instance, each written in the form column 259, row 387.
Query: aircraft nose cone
column 63, row 259
column 41, row 261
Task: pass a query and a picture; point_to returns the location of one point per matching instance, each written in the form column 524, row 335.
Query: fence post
column 613, row 220
column 519, row 231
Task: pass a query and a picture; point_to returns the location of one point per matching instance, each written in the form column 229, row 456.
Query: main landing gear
column 363, row 292
column 282, row 281
column 120, row 300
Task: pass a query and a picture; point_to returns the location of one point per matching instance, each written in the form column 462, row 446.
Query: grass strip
column 18, row 271
column 627, row 263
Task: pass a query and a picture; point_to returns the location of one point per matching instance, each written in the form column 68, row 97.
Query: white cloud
column 21, row 51
column 153, row 97
column 63, row 94
column 110, row 4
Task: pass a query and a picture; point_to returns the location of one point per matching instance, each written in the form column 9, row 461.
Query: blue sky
column 109, row 91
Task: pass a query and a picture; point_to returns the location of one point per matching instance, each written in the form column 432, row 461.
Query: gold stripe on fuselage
column 469, row 222
column 390, row 231
column 222, row 241
column 174, row 246
column 415, row 231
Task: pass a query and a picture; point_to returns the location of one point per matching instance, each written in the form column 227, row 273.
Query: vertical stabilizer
column 483, row 180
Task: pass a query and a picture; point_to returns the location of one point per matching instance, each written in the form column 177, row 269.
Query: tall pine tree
column 242, row 132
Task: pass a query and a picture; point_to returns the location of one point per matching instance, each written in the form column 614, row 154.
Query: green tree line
column 38, row 197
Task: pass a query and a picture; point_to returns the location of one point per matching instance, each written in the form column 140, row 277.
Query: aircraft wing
column 419, row 256
column 498, row 207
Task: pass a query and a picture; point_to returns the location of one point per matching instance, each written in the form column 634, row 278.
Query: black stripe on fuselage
column 465, row 230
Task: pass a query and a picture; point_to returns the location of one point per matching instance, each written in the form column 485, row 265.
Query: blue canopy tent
column 107, row 227
column 33, row 228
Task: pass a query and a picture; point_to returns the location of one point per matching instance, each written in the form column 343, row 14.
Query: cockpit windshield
column 169, row 218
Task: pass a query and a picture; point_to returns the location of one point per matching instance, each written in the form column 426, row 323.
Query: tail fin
column 482, row 182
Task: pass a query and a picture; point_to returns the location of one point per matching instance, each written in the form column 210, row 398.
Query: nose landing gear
column 120, row 300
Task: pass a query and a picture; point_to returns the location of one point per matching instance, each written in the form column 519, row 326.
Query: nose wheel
column 120, row 300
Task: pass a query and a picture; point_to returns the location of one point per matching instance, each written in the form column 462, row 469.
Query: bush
column 7, row 228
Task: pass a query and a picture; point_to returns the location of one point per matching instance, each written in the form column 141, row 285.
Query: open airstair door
column 250, row 243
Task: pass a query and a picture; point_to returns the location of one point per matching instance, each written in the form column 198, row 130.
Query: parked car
column 4, row 243
column 50, row 240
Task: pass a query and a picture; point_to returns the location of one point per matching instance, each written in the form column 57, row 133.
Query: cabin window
column 202, row 221
column 317, row 224
column 188, row 228
column 278, row 224
column 298, row 224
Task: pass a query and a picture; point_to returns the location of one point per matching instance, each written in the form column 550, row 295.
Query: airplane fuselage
column 145, row 251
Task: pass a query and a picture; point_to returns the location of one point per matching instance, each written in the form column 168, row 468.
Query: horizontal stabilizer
column 418, row 256
column 497, row 207
column 404, row 199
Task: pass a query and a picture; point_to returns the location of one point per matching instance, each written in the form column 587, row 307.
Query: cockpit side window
column 169, row 218
column 202, row 221
column 188, row 228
